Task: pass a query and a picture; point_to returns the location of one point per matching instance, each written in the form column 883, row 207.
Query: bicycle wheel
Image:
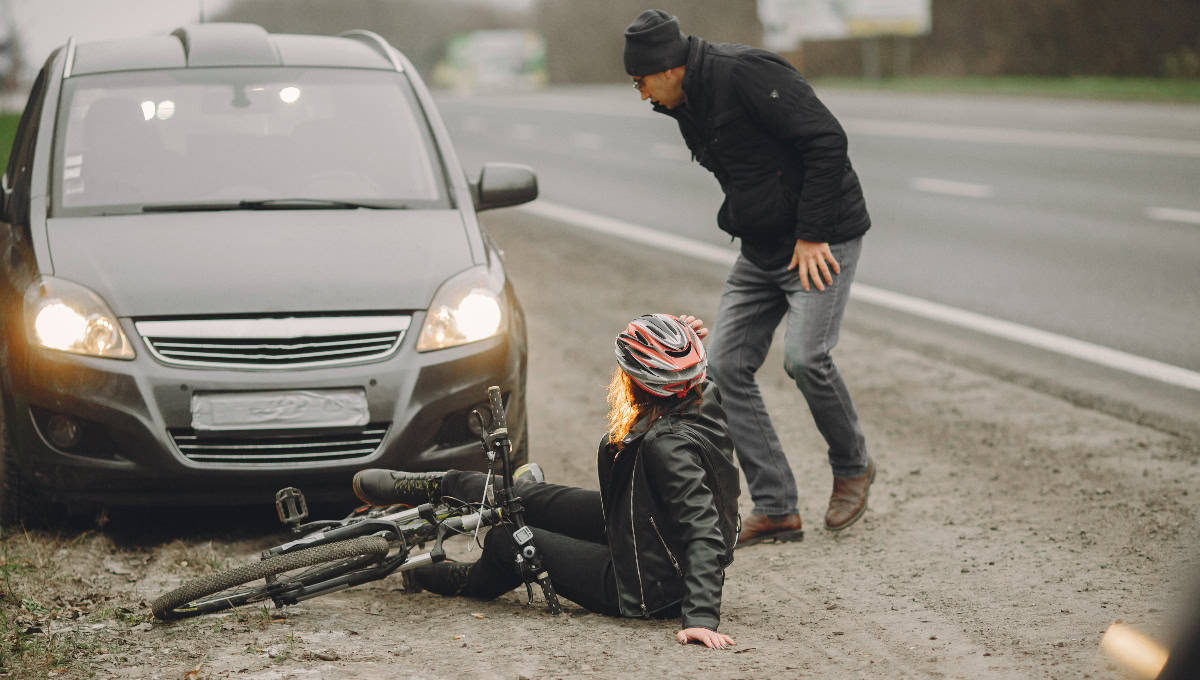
column 219, row 591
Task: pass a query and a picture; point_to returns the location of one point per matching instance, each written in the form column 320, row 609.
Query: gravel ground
column 1007, row 529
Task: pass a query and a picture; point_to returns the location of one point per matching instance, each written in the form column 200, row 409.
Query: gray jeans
column 752, row 305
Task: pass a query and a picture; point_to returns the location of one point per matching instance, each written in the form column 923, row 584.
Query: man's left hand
column 813, row 262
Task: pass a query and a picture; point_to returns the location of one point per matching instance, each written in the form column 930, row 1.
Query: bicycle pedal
column 291, row 507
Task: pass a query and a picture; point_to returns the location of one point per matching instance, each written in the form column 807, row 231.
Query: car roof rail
column 376, row 42
column 70, row 57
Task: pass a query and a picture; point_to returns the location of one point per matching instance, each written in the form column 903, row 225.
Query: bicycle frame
column 408, row 527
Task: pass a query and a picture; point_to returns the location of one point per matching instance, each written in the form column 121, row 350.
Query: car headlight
column 66, row 316
column 467, row 308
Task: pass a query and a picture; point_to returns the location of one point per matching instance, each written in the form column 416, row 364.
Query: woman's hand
column 709, row 638
column 696, row 324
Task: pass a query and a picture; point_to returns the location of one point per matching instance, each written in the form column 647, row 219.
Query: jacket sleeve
column 674, row 469
column 779, row 100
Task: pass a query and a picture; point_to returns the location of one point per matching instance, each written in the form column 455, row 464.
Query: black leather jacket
column 670, row 511
column 780, row 156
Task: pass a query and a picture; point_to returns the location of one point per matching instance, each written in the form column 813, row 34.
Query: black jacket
column 670, row 511
column 778, row 153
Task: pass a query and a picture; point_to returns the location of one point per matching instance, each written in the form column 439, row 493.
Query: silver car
column 234, row 261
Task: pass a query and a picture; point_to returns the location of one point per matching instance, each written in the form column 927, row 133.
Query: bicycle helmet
column 662, row 355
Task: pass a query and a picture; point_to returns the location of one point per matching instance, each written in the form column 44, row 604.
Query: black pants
column 568, row 529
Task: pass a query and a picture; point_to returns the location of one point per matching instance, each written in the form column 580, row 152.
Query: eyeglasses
column 637, row 83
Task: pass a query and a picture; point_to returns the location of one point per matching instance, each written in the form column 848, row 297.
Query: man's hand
column 709, row 638
column 813, row 260
column 696, row 324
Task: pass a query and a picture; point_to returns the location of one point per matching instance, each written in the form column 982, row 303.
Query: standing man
column 792, row 197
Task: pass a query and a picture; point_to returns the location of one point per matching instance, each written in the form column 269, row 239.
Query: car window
column 220, row 135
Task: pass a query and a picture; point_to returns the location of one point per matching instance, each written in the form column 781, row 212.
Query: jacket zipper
column 665, row 546
column 633, row 533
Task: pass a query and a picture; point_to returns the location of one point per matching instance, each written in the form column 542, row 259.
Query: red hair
column 628, row 402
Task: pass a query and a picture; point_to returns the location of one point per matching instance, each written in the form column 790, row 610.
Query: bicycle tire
column 186, row 600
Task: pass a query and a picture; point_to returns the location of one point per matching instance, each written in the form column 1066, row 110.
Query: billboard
column 786, row 23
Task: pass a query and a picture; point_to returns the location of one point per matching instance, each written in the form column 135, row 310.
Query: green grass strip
column 8, row 130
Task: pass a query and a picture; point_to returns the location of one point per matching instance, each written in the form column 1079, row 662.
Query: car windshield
column 234, row 138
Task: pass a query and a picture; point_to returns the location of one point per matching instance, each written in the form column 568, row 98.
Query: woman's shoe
column 391, row 487
column 443, row 578
column 529, row 472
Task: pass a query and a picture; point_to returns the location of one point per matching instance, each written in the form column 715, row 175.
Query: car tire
column 11, row 504
column 20, row 503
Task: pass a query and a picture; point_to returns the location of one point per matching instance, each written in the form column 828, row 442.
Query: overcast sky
column 43, row 25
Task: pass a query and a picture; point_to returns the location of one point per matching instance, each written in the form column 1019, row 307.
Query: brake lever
column 485, row 437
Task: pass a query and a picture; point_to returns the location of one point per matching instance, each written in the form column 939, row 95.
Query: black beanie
column 654, row 43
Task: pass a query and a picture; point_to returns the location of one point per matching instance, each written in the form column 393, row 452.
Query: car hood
column 254, row 262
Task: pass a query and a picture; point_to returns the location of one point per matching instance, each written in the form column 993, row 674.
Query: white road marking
column 633, row 232
column 1174, row 215
column 1060, row 344
column 948, row 187
column 587, row 140
column 1013, row 136
column 878, row 127
column 671, row 152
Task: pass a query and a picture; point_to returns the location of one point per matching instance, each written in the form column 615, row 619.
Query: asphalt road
column 1074, row 217
column 1006, row 530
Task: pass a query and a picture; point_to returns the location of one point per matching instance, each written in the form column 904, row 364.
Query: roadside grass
column 8, row 130
column 193, row 560
column 30, row 601
column 51, row 622
column 1130, row 89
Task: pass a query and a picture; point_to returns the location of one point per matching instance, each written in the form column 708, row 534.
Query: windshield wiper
column 312, row 203
column 272, row 204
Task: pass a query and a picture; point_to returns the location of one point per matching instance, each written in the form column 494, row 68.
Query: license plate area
column 249, row 412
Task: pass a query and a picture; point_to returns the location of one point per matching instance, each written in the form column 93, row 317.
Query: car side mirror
column 503, row 184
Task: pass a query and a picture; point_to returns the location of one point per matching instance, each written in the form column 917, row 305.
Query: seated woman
column 654, row 541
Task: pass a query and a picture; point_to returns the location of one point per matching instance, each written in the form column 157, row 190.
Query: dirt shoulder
column 1007, row 529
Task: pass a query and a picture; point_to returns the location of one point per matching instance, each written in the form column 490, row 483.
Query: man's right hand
column 813, row 261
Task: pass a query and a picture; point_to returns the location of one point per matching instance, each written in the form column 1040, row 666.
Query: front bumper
column 130, row 408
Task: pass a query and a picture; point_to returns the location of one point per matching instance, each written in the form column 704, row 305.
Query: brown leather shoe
column 849, row 499
column 758, row 528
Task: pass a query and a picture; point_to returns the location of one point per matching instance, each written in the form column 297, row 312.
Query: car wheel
column 10, row 486
column 19, row 500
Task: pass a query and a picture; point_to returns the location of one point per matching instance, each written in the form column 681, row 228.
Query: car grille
column 279, row 448
column 273, row 343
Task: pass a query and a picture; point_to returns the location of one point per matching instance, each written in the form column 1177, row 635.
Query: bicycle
column 370, row 543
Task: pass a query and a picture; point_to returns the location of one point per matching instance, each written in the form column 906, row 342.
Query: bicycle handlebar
column 528, row 559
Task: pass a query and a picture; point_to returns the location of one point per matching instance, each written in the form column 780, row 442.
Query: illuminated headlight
column 467, row 308
column 66, row 316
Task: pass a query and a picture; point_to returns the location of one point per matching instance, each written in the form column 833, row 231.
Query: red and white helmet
column 662, row 354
